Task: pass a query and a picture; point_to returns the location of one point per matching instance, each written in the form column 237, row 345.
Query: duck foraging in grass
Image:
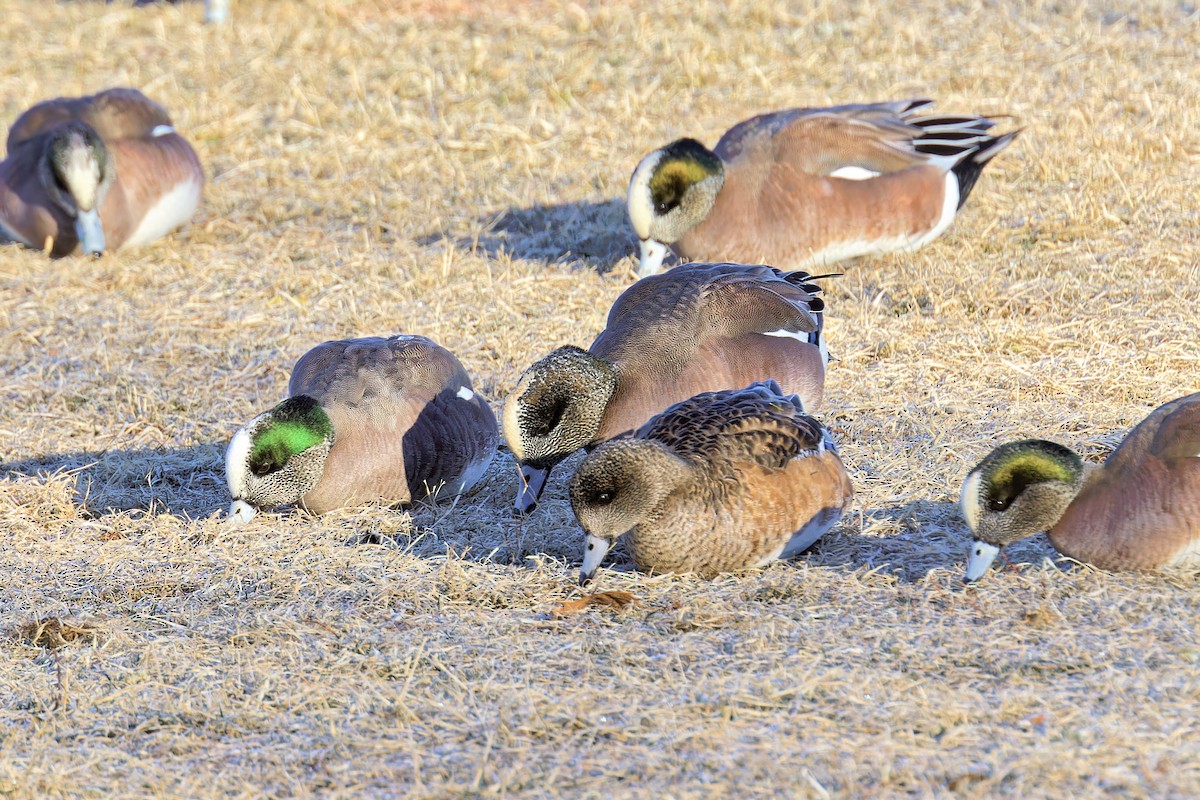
column 700, row 327
column 367, row 420
column 1139, row 510
column 96, row 173
column 810, row 186
column 723, row 481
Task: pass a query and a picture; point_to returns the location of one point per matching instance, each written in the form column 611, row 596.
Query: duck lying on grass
column 721, row 482
column 1139, row 510
column 367, row 420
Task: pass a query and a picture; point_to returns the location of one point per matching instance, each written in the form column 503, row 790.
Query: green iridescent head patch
column 293, row 426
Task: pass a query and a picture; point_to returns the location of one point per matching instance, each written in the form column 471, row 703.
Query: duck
column 389, row 420
column 721, row 482
column 1139, row 510
column 807, row 187
column 97, row 173
column 699, row 327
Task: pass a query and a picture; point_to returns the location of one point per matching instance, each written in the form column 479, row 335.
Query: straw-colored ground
column 459, row 171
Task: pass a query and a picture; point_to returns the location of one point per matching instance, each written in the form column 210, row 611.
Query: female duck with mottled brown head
column 723, row 481
column 1139, row 510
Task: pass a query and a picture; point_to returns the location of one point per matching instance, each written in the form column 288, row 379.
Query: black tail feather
column 967, row 170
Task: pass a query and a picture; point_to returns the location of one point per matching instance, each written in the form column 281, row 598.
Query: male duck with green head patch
column 1139, row 510
column 368, row 420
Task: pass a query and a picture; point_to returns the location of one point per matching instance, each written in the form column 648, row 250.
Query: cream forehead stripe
column 236, row 457
column 968, row 502
column 512, row 426
column 641, row 207
column 82, row 175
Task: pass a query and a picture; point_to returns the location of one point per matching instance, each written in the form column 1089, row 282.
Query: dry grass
column 421, row 166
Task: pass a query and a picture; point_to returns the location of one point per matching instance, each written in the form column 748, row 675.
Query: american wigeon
column 722, row 481
column 1139, row 510
column 810, row 186
column 367, row 420
column 697, row 328
column 99, row 173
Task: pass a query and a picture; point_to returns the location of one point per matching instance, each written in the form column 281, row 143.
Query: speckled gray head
column 556, row 408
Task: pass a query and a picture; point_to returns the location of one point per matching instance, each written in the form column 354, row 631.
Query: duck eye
column 261, row 468
column 665, row 206
column 999, row 503
column 602, row 498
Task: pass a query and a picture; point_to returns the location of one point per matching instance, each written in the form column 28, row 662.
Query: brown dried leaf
column 572, row 607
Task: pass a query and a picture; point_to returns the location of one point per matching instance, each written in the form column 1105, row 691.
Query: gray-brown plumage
column 700, row 327
column 810, row 186
column 722, row 481
column 1139, row 510
column 108, row 170
column 402, row 419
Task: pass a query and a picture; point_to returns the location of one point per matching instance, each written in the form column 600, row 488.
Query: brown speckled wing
column 758, row 423
column 767, row 482
column 676, row 312
column 115, row 114
column 819, row 141
column 1178, row 434
column 374, row 373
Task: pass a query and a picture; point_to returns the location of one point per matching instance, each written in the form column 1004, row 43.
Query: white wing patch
column 854, row 173
column 161, row 130
column 464, row 393
column 782, row 333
